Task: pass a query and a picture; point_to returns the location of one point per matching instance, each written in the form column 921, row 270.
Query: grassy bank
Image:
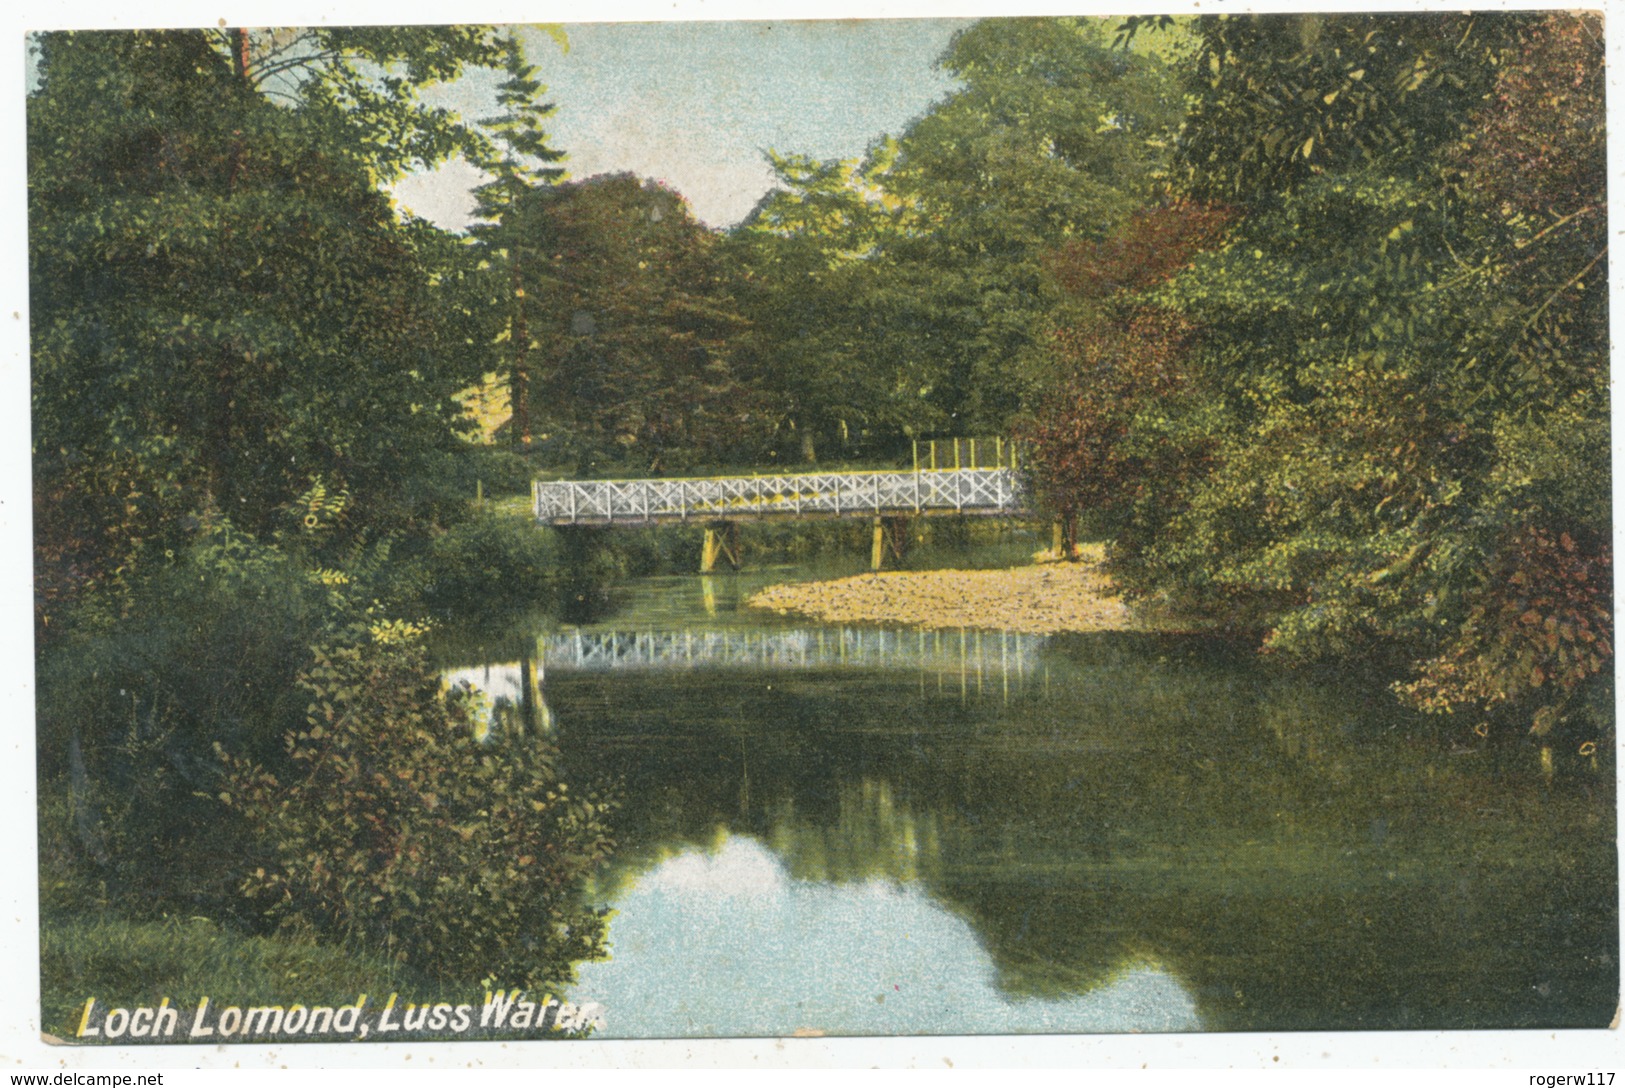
column 125, row 964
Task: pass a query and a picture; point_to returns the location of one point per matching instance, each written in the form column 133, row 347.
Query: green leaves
column 396, row 829
column 618, row 295
column 1393, row 436
column 222, row 306
column 1277, row 99
column 357, row 89
column 1054, row 138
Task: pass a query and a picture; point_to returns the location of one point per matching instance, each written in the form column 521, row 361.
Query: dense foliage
column 395, row 827
column 906, row 294
column 246, row 372
column 1387, row 431
column 630, row 323
column 225, row 313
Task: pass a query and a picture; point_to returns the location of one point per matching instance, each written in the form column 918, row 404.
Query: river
column 858, row 831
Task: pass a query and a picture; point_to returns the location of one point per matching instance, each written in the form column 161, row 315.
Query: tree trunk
column 238, row 38
column 239, row 52
column 519, row 379
column 808, row 453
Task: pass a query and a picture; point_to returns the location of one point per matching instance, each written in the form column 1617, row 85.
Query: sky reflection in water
column 727, row 943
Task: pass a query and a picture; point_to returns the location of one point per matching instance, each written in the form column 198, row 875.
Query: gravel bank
column 1041, row 600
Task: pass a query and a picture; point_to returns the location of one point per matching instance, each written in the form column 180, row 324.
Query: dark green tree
column 359, row 89
column 633, row 324
column 524, row 161
column 224, row 310
column 245, row 371
column 1054, row 136
column 807, row 276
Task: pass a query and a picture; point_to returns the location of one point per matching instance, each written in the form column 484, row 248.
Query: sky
column 697, row 104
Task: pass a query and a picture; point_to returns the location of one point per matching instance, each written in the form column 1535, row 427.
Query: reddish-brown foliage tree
column 1155, row 243
column 1095, row 444
column 1084, row 457
column 1541, row 622
column 1539, row 146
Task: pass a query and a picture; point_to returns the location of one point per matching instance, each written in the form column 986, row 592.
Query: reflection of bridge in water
column 974, row 662
column 821, row 647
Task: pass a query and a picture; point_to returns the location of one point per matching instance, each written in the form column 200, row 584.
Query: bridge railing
column 964, row 490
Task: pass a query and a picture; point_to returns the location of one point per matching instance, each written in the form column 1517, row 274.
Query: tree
column 224, row 310
column 1278, row 100
column 805, row 272
column 1102, row 444
column 244, row 393
column 906, row 294
column 359, row 89
column 633, row 324
column 1054, row 136
column 524, row 164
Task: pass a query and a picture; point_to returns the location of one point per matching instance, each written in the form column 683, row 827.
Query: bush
column 494, row 470
column 135, row 693
column 488, row 563
column 402, row 834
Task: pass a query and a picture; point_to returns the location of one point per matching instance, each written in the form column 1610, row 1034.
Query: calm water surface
column 860, row 831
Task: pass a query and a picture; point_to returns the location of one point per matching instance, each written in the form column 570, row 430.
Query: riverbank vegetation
column 252, row 488
column 1359, row 402
column 1304, row 316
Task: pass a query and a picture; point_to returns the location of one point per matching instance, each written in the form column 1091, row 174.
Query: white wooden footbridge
column 719, row 503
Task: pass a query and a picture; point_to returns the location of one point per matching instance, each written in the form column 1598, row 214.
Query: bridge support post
column 1065, row 537
column 891, row 533
column 721, row 542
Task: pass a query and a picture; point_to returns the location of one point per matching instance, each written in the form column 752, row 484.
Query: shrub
column 202, row 648
column 486, row 562
column 399, row 832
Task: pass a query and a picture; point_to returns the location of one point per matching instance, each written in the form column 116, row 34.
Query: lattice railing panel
column 974, row 490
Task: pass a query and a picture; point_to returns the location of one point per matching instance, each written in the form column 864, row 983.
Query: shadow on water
column 1080, row 833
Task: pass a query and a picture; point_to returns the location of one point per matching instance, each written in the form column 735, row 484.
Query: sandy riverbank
column 1042, row 599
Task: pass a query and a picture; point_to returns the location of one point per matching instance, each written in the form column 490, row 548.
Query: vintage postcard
column 953, row 525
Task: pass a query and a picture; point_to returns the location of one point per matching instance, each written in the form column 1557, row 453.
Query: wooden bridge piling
column 721, row 542
column 890, row 534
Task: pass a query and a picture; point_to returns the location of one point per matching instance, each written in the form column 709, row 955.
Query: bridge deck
column 973, row 491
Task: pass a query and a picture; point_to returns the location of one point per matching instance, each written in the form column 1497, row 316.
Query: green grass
column 125, row 964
